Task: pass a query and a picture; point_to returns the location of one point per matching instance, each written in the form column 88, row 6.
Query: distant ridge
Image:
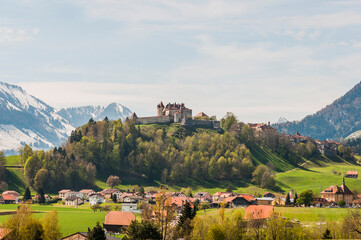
column 335, row 121
column 78, row 116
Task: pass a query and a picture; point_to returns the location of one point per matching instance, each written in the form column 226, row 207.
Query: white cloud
column 8, row 35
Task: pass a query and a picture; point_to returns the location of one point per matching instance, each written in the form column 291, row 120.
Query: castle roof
column 201, row 114
column 134, row 116
column 161, row 105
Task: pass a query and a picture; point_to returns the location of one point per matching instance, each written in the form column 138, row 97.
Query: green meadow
column 318, row 175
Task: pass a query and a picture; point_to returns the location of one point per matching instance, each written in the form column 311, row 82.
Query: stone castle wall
column 201, row 123
column 153, row 120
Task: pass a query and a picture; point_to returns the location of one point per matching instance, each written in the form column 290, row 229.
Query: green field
column 307, row 216
column 71, row 219
column 318, row 175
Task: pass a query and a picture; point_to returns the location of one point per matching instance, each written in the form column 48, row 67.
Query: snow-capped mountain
column 282, row 120
column 26, row 119
column 78, row 116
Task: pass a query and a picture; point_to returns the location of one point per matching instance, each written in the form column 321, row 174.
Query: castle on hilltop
column 177, row 113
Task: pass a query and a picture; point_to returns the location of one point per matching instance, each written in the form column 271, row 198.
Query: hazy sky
column 259, row 59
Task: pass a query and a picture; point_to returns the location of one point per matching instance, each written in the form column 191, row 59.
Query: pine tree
column 97, row 233
column 114, row 198
column 327, row 234
column 27, row 195
column 187, row 212
column 295, row 199
column 288, row 200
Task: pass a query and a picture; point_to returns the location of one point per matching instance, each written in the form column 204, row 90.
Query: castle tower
column 160, row 108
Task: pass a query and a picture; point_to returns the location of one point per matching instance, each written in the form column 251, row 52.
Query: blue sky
column 259, row 59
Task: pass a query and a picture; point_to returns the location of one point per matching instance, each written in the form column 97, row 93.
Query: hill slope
column 335, row 121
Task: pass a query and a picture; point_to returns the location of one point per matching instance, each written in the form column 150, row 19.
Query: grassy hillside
column 318, row 174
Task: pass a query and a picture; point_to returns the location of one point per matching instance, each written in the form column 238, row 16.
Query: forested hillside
column 170, row 154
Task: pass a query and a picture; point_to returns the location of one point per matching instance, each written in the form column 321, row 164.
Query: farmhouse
column 352, row 174
column 203, row 196
column 258, row 212
column 117, row 221
column 96, row 198
column 63, row 192
column 337, row 193
column 73, row 200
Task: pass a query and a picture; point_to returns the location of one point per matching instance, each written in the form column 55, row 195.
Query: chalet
column 327, row 148
column 86, row 192
column 320, row 202
column 63, row 192
column 238, row 201
column 179, row 194
column 77, row 194
column 352, row 174
column 220, row 196
column 130, row 207
column 269, row 195
column 203, row 196
column 265, row 201
column 258, row 212
column 117, row 221
column 11, row 195
column 96, row 198
column 73, row 200
column 337, row 193
column 131, row 199
column 8, row 199
column 107, row 193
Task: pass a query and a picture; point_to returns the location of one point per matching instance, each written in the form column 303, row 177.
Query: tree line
column 169, row 154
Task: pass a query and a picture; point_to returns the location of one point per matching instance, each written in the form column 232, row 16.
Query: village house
column 117, row 221
column 107, row 193
column 269, row 195
column 130, row 207
column 327, row 148
column 87, row 192
column 179, row 202
column 96, row 198
column 352, row 174
column 131, row 199
column 265, row 201
column 240, row 201
column 258, row 212
column 77, row 194
column 9, row 197
column 63, row 192
column 73, row 200
column 337, row 193
column 203, row 196
column 220, row 196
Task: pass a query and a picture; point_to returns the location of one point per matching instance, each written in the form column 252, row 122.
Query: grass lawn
column 308, row 216
column 71, row 219
column 13, row 160
column 318, row 177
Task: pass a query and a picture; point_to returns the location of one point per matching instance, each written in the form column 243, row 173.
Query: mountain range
column 336, row 121
column 24, row 119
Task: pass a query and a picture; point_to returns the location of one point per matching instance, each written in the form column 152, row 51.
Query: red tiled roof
column 201, row 114
column 119, row 218
column 352, row 173
column 180, row 201
column 8, row 197
column 258, row 212
column 248, row 197
column 4, row 232
column 65, row 191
